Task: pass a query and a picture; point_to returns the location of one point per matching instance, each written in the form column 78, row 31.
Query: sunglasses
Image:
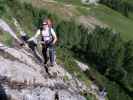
column 44, row 24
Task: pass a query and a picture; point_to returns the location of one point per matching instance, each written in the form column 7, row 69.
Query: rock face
column 22, row 78
column 82, row 66
column 5, row 27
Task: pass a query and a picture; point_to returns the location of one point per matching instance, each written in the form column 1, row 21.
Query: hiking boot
column 52, row 64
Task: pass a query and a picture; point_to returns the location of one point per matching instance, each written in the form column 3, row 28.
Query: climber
column 48, row 39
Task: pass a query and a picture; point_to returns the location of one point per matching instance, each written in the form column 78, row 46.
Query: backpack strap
column 50, row 33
